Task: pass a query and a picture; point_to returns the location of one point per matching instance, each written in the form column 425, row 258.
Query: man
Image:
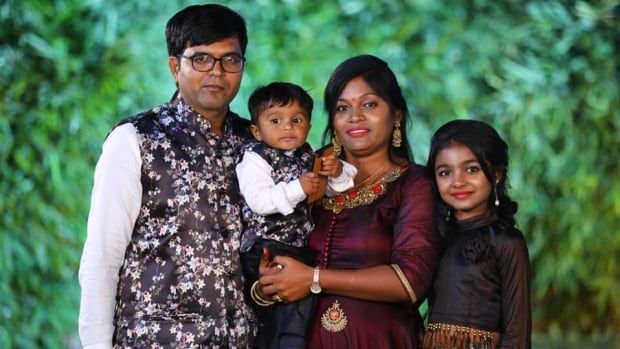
column 160, row 266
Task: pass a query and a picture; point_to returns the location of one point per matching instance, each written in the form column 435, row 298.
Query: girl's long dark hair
column 490, row 151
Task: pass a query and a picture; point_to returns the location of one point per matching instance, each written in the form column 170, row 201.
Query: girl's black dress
column 481, row 294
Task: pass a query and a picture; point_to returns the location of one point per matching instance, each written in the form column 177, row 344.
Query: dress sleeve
column 514, row 271
column 114, row 207
column 416, row 242
column 261, row 193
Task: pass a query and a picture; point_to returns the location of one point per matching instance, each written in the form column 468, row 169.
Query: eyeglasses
column 204, row 62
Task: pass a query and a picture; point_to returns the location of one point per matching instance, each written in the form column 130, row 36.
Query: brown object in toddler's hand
column 316, row 167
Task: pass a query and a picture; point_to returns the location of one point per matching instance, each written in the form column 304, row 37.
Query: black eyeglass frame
column 221, row 60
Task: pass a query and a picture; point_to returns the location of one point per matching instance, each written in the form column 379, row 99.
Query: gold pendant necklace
column 334, row 319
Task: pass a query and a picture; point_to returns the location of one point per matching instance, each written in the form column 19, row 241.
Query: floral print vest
column 295, row 227
column 181, row 282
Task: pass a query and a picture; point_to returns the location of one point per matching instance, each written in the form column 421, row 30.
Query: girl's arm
column 514, row 269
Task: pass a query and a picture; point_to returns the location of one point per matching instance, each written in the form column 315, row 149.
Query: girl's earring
column 496, row 197
column 448, row 215
column 337, row 145
column 397, row 136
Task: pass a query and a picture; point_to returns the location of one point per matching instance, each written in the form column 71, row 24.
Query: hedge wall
column 545, row 73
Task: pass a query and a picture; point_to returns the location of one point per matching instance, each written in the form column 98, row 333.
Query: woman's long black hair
column 490, row 151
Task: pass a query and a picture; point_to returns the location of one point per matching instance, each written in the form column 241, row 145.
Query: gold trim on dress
column 362, row 196
column 334, row 319
column 405, row 282
column 443, row 335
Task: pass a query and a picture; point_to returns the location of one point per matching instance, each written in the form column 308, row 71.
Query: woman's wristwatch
column 315, row 287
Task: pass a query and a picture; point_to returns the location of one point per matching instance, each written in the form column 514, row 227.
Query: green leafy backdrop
column 546, row 73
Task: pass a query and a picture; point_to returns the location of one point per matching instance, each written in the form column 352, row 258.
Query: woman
column 481, row 295
column 375, row 245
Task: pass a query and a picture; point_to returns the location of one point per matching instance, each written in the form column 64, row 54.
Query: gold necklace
column 369, row 178
column 365, row 195
column 382, row 171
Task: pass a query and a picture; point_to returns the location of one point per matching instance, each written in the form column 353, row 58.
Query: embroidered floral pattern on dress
column 360, row 196
column 181, row 283
column 476, row 249
column 292, row 228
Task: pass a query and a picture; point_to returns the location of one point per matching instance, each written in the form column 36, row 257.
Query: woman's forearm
column 378, row 283
column 292, row 282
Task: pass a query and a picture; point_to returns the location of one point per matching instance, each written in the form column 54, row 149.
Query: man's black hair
column 204, row 25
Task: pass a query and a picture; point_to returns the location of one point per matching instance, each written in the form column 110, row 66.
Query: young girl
column 481, row 295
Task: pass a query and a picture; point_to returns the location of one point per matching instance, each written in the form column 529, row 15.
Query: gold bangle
column 258, row 299
column 403, row 280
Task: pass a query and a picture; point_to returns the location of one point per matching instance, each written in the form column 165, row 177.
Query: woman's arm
column 416, row 240
column 293, row 282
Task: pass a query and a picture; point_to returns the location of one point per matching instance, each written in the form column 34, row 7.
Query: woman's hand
column 284, row 278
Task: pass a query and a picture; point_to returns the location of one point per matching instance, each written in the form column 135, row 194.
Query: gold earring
column 397, row 136
column 337, row 145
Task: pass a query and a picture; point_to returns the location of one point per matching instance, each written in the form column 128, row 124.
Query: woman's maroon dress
column 389, row 222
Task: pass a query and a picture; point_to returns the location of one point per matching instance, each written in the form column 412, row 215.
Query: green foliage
column 66, row 73
column 545, row 73
column 564, row 90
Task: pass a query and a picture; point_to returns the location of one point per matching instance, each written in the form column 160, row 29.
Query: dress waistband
column 441, row 335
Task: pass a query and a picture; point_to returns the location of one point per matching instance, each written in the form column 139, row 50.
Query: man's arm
column 115, row 205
